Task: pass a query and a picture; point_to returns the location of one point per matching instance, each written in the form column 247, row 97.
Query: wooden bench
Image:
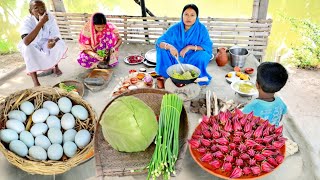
column 225, row 32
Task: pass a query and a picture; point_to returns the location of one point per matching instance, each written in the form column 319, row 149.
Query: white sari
column 36, row 55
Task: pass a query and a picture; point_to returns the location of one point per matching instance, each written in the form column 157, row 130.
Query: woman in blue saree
column 188, row 39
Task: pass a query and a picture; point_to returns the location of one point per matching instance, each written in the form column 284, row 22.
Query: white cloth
column 36, row 55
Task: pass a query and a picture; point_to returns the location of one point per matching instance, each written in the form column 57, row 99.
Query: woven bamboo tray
column 110, row 162
column 79, row 86
column 38, row 96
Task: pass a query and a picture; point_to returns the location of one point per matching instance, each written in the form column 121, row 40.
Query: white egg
column 18, row 115
column 16, row 125
column 27, row 107
column 55, row 152
column 67, row 121
column 55, row 136
column 40, row 115
column 69, row 135
column 80, row 112
column 8, row 135
column 38, row 129
column 27, row 138
column 18, row 147
column 65, row 104
column 42, row 141
column 53, row 122
column 82, row 138
column 38, row 153
column 52, row 107
column 69, row 149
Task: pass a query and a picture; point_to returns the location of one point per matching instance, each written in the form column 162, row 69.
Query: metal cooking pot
column 238, row 56
column 177, row 68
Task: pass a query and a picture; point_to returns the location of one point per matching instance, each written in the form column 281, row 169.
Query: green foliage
column 306, row 53
column 102, row 53
column 7, row 47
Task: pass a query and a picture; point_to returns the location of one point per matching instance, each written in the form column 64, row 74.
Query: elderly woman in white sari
column 41, row 46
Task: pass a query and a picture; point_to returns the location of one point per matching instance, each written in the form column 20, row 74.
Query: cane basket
column 110, row 162
column 38, row 96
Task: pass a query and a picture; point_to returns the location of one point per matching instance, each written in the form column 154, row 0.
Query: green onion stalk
column 167, row 139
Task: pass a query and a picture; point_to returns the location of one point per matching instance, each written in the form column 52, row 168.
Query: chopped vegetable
column 102, row 53
column 167, row 140
column 68, row 88
column 190, row 74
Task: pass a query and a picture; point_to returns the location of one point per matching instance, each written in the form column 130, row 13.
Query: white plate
column 126, row 60
column 233, row 78
column 235, row 86
column 145, row 62
column 151, row 56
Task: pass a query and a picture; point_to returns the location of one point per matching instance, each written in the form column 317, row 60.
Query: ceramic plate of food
column 244, row 88
column 236, row 76
column 134, row 59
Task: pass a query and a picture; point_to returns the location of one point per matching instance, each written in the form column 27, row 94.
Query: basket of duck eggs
column 46, row 131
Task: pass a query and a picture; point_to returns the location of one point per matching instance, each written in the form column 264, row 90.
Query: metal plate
column 127, row 61
column 151, row 56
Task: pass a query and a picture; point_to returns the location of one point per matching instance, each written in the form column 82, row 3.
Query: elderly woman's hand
column 173, row 51
column 184, row 51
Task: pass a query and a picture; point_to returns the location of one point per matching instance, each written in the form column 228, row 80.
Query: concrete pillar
column 260, row 9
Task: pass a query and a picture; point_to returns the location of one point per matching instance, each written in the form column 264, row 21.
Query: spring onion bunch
column 167, row 139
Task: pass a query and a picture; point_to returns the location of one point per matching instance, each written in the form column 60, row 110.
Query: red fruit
column 255, row 121
column 258, row 140
column 239, row 162
column 228, row 114
column 228, row 126
column 282, row 139
column 267, row 139
column 225, row 133
column 265, row 123
column 215, row 134
column 259, row 157
column 215, row 126
column 248, row 135
column 247, row 127
column 238, row 133
column 243, row 121
column 234, row 153
column 232, row 146
column 229, row 158
column 212, row 119
column 222, row 117
column 279, row 159
column 252, row 162
column 250, row 143
column 216, row 164
column 259, row 147
column 222, row 141
column 197, row 132
column 271, row 147
column 194, row 143
column 258, row 132
column 202, row 150
column 278, row 144
column 206, row 133
column 236, row 125
column 250, row 115
column 272, row 161
column 266, row 132
column 272, row 128
column 237, row 139
column 237, row 172
column 196, row 137
column 278, row 130
column 227, row 167
column 244, row 156
column 204, row 126
column 255, row 170
column 214, row 148
column 218, row 155
column 266, row 167
column 246, row 170
column 267, row 153
column 205, row 119
column 242, row 147
column 223, row 149
column 207, row 157
column 238, row 112
column 205, row 142
column 251, row 152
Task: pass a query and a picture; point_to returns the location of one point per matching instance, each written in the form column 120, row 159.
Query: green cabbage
column 129, row 125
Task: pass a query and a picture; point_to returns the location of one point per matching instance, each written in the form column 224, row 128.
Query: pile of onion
column 239, row 144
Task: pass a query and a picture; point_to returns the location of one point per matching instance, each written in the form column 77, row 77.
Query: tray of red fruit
column 133, row 59
column 233, row 145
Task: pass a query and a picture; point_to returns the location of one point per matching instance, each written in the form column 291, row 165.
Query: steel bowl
column 177, row 68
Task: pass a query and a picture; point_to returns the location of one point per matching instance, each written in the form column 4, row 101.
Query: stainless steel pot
column 238, row 56
column 177, row 68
